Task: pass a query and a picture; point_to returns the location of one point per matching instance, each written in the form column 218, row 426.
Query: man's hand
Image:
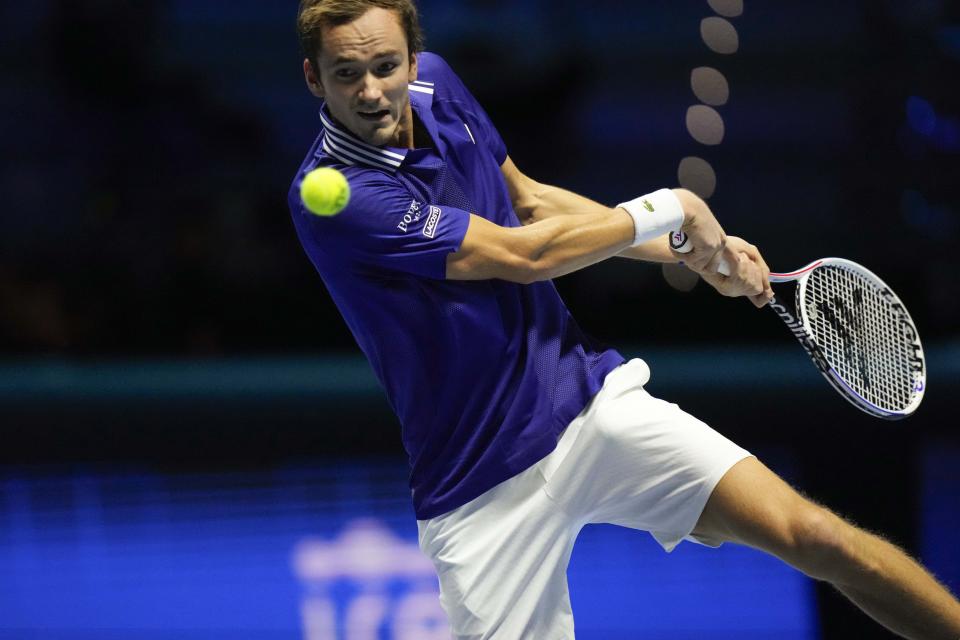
column 705, row 234
column 750, row 275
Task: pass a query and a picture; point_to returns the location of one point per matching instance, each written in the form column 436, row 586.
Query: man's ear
column 413, row 68
column 312, row 79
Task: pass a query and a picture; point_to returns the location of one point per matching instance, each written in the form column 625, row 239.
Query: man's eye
column 345, row 74
column 387, row 67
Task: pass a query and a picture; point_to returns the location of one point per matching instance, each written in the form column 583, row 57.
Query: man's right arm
column 550, row 245
column 540, row 251
column 559, row 245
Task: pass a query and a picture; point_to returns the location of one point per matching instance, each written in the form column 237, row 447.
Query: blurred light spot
column 705, row 124
column 719, row 35
column 921, row 115
column 698, row 176
column 727, row 8
column 679, row 277
column 710, row 86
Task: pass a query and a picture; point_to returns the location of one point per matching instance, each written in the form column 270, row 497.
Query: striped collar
column 349, row 149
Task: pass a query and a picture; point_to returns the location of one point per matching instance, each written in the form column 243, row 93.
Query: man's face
column 364, row 71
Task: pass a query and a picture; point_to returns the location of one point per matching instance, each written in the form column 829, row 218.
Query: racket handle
column 680, row 242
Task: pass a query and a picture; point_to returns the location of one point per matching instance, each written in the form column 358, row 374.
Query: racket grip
column 680, row 242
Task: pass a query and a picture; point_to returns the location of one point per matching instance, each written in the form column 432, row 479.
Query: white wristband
column 654, row 215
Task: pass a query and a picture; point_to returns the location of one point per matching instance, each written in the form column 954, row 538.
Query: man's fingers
column 717, row 254
column 749, row 274
column 699, row 259
column 755, row 255
column 760, row 301
column 706, row 238
column 732, row 258
column 762, row 293
column 765, row 270
column 765, row 275
column 712, row 265
column 748, row 278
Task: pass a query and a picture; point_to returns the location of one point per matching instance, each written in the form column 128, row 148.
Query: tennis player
column 519, row 428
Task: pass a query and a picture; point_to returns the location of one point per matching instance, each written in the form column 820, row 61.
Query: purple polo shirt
column 483, row 375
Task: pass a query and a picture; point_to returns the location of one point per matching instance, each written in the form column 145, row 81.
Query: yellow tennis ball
column 325, row 191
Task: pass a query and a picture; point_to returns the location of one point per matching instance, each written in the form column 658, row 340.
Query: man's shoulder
column 432, row 67
column 434, row 70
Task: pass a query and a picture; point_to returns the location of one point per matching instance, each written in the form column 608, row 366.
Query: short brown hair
column 314, row 15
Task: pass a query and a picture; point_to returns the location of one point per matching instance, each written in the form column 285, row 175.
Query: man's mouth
column 374, row 116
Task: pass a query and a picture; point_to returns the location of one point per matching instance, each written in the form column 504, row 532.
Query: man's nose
column 370, row 90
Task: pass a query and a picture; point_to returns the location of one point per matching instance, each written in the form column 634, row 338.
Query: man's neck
column 405, row 130
column 412, row 132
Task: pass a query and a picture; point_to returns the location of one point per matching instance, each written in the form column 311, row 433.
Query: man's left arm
column 534, row 201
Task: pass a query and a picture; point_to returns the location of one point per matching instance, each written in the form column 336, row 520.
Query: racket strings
column 861, row 333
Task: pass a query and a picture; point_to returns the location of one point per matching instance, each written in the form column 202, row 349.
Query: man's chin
column 379, row 137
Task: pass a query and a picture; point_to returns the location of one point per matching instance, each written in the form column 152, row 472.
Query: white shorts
column 627, row 459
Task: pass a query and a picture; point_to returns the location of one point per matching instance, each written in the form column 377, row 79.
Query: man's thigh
column 753, row 506
column 641, row 462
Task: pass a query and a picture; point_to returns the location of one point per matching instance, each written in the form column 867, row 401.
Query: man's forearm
column 548, row 201
column 559, row 245
column 656, row 250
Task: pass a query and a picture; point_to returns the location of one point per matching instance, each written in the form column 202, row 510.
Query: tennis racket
column 857, row 331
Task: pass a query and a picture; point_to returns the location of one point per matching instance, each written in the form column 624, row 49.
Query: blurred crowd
column 143, row 211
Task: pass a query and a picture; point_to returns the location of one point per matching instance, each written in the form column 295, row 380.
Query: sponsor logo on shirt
column 430, row 228
column 412, row 215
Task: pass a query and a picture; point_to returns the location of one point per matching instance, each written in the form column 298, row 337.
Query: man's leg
column 752, row 506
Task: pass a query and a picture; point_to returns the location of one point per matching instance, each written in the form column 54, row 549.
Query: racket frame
column 800, row 327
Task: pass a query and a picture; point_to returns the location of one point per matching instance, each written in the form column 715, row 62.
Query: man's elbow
column 536, row 269
column 496, row 263
column 528, row 201
column 517, row 256
column 522, row 270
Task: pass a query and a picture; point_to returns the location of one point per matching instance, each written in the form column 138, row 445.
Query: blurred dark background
column 158, row 314
column 148, row 147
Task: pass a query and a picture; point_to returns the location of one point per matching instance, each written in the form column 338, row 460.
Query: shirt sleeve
column 386, row 228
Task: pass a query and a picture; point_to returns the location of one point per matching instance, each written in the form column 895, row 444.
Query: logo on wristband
column 648, row 206
column 678, row 242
